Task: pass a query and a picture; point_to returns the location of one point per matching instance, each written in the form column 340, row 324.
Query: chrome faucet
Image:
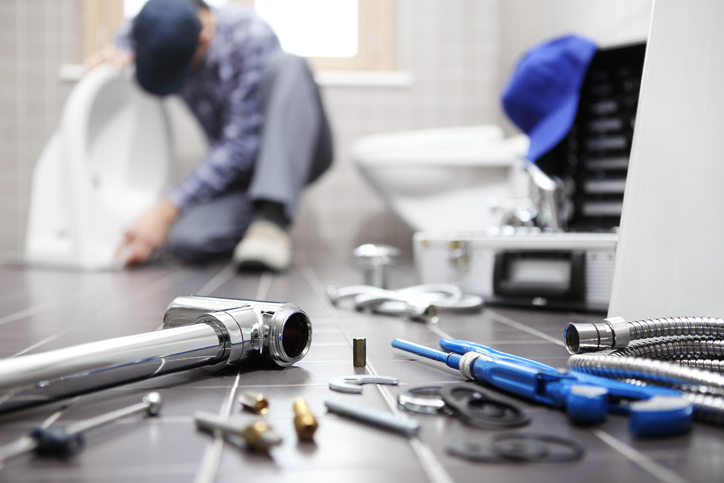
column 216, row 333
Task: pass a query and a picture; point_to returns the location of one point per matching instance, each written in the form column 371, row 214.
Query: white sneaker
column 265, row 246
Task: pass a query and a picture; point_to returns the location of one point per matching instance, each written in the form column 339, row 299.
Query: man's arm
column 234, row 153
column 147, row 234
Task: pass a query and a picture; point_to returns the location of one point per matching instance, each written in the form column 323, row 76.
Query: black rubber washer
column 524, row 447
column 478, row 409
column 517, row 447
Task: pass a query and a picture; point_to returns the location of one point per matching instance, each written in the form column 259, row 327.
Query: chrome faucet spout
column 206, row 332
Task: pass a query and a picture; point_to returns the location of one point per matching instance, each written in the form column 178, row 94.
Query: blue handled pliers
column 653, row 411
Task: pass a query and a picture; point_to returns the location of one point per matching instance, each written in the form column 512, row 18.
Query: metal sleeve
column 43, row 377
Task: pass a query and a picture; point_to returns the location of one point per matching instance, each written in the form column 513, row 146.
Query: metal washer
column 425, row 400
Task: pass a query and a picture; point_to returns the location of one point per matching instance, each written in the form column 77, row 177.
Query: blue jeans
column 296, row 148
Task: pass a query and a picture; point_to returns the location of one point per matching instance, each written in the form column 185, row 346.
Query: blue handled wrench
column 653, row 411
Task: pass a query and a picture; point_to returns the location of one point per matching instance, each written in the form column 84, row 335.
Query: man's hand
column 147, row 234
column 118, row 57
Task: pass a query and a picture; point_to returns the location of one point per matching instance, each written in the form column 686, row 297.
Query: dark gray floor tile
column 62, row 309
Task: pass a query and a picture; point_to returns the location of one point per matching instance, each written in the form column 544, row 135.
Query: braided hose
column 703, row 389
column 675, row 349
column 649, row 370
column 616, row 333
column 676, row 326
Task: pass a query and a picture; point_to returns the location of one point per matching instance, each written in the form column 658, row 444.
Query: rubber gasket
column 500, row 445
column 480, row 410
column 517, row 447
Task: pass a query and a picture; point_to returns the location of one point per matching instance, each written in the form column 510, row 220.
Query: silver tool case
column 572, row 271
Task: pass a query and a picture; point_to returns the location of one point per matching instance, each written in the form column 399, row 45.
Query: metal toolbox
column 558, row 270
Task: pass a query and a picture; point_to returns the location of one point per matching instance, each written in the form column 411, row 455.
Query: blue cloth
column 223, row 93
column 542, row 95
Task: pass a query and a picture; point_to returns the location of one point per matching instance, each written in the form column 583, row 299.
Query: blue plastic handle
column 653, row 411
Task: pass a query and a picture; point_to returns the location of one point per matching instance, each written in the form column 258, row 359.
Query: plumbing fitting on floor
column 419, row 302
column 258, row 435
column 209, row 332
column 685, row 353
column 375, row 261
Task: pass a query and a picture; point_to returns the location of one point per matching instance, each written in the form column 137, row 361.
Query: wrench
column 353, row 384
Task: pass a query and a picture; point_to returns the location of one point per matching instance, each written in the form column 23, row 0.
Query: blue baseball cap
column 165, row 36
column 541, row 97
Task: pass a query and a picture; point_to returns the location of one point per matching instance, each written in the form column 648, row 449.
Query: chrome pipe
column 199, row 332
column 616, row 333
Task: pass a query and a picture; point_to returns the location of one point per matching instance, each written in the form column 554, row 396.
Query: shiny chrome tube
column 616, row 333
column 232, row 333
column 681, row 352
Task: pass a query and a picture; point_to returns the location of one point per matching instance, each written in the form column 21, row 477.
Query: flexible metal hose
column 649, row 370
column 616, row 333
column 698, row 352
column 681, row 352
column 704, row 389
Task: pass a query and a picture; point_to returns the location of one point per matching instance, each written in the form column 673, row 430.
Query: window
column 332, row 34
column 101, row 18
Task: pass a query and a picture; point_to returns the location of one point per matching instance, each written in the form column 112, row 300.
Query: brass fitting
column 260, row 437
column 304, row 421
column 254, row 401
column 359, row 352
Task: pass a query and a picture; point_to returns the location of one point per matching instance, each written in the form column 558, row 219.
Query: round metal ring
column 426, row 400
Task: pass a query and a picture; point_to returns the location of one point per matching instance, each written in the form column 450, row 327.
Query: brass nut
column 359, row 352
column 254, row 401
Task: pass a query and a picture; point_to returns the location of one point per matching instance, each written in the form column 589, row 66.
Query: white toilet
column 108, row 162
column 445, row 179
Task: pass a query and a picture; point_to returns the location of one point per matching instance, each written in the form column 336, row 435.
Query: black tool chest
column 592, row 160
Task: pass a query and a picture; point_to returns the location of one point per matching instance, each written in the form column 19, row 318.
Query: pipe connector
column 248, row 328
column 610, row 333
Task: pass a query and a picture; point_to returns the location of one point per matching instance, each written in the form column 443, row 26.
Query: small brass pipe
column 304, row 421
column 254, row 401
column 359, row 352
column 260, row 437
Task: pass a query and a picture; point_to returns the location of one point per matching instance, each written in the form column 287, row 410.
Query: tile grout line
column 428, row 461
column 662, row 473
column 165, row 282
column 226, row 274
column 645, row 463
column 43, row 307
column 512, row 323
column 75, row 326
column 212, row 457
